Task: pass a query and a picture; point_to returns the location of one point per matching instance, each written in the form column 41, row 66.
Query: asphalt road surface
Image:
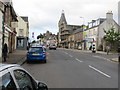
column 72, row 69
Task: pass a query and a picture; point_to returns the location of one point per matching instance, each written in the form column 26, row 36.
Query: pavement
column 16, row 57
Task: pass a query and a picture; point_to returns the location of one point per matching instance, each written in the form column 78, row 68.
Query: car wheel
column 45, row 61
column 27, row 61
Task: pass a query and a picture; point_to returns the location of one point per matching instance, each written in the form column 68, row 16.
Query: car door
column 24, row 80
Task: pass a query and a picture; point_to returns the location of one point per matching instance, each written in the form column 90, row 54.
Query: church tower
column 62, row 18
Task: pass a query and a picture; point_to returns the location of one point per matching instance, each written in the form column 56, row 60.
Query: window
column 20, row 32
column 36, row 49
column 24, row 80
column 7, row 82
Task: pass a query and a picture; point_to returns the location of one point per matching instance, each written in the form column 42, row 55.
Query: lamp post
column 83, row 32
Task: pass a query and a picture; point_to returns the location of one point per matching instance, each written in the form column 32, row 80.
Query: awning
column 92, row 41
column 8, row 29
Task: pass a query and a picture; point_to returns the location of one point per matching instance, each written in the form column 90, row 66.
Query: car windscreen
column 34, row 49
column 52, row 45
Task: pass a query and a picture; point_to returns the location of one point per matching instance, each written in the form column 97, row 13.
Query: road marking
column 70, row 55
column 100, row 71
column 78, row 60
column 66, row 53
column 100, row 57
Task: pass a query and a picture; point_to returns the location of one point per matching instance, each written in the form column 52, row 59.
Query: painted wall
column 91, row 34
column 22, row 25
column 22, row 34
column 107, row 24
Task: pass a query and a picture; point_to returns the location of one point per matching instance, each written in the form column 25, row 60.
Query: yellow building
column 22, row 33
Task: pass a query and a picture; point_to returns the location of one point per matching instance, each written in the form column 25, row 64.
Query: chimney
column 109, row 15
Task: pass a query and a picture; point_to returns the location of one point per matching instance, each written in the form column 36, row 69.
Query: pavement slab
column 16, row 57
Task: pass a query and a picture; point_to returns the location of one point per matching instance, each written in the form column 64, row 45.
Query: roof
column 36, row 45
column 78, row 30
column 5, row 66
column 25, row 18
column 62, row 19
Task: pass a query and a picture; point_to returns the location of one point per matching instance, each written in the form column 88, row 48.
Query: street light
column 83, row 19
column 83, row 32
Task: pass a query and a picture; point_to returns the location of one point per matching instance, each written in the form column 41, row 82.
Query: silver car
column 14, row 77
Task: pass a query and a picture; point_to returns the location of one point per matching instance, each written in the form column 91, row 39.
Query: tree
column 112, row 36
column 40, row 36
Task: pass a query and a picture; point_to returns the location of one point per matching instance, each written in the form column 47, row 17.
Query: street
column 66, row 68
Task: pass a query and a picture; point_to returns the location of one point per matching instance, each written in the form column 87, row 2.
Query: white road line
column 70, row 55
column 66, row 53
column 99, row 57
column 78, row 60
column 100, row 71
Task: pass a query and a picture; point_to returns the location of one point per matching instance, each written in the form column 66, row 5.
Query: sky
column 45, row 14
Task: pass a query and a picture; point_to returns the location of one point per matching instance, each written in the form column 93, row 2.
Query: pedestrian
column 108, row 49
column 5, row 52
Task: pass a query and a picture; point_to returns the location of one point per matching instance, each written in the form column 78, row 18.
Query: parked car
column 79, row 47
column 14, row 77
column 36, row 53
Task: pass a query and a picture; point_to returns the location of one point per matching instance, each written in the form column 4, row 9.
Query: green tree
column 112, row 36
column 40, row 36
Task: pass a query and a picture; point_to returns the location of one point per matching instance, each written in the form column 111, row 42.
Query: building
column 65, row 30
column 48, row 37
column 95, row 33
column 119, row 12
column 76, row 38
column 22, row 33
column 1, row 27
column 9, row 32
column 91, row 33
column 107, row 24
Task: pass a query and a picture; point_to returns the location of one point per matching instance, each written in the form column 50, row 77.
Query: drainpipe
column 3, row 27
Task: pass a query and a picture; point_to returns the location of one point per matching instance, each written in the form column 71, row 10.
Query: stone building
column 107, row 24
column 65, row 30
column 9, row 32
column 76, row 38
column 95, row 32
column 1, row 27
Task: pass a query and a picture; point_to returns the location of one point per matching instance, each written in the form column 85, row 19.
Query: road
column 72, row 69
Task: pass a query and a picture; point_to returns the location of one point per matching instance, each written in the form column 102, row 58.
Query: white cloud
column 45, row 14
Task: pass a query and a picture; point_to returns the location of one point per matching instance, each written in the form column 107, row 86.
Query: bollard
column 93, row 49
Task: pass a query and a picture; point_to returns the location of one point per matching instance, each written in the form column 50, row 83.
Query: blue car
column 36, row 53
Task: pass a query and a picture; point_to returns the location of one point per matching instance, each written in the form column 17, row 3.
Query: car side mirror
column 42, row 86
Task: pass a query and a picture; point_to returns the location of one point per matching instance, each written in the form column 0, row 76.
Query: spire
column 62, row 19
